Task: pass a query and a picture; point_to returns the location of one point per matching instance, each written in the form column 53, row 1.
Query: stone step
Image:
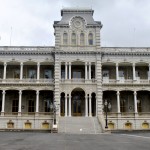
column 79, row 125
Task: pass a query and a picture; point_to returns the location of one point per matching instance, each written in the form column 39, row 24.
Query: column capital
column 21, row 63
column 20, row 92
column 118, row 92
column 69, row 63
column 135, row 92
column 37, row 92
column 66, row 63
column 133, row 64
column 89, row 63
column 3, row 92
column 86, row 63
column 117, row 64
column 5, row 63
column 38, row 63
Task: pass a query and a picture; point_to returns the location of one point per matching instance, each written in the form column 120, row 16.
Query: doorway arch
column 78, row 102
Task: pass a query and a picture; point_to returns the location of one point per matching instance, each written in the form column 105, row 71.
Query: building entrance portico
column 78, row 102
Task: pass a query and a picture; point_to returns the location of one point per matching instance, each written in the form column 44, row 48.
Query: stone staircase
column 79, row 125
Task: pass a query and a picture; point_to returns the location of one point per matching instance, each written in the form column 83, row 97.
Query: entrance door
column 77, row 107
column 77, row 102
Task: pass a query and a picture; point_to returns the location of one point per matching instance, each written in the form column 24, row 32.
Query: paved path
column 48, row 141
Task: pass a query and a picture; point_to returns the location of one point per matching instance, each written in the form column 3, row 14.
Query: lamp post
column 106, row 107
column 54, row 110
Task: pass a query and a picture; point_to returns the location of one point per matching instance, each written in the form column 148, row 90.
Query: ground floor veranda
column 77, row 103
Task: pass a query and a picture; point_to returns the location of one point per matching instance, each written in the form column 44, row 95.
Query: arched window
column 82, row 41
column 90, row 39
column 73, row 39
column 65, row 38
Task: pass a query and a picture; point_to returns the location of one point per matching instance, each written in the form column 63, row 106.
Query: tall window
column 90, row 39
column 16, row 74
column 65, row 38
column 121, row 73
column 15, row 106
column 48, row 74
column 82, row 42
column 47, row 105
column 32, row 74
column 73, row 39
column 105, row 73
column 31, row 106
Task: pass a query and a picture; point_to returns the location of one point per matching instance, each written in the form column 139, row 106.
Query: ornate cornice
column 20, row 50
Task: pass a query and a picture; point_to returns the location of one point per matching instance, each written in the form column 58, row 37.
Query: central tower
column 77, row 31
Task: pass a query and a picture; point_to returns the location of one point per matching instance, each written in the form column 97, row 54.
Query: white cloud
column 125, row 22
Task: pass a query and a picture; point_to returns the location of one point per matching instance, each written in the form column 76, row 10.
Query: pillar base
column 119, row 115
column 2, row 113
column 136, row 114
column 19, row 113
column 36, row 114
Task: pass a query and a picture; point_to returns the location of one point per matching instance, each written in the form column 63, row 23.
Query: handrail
column 27, row 80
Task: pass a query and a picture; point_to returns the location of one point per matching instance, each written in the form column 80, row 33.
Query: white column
column 3, row 101
column 66, row 70
column 89, row 71
column 66, row 105
column 38, row 70
column 118, row 101
column 4, row 75
column 21, row 70
column 85, row 70
column 70, row 70
column 69, row 105
column 20, row 100
column 86, row 106
column 90, row 106
column 117, row 72
column 37, row 101
column 134, row 77
column 135, row 101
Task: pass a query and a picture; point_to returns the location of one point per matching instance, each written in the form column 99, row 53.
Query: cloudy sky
column 30, row 22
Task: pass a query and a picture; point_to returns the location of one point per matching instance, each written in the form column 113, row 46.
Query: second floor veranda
column 27, row 72
column 126, row 73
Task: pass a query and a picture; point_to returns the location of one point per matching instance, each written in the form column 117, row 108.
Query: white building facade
column 78, row 75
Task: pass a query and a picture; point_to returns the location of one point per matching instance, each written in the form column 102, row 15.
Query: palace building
column 82, row 81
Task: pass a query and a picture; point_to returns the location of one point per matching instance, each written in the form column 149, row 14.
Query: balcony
column 128, row 114
column 122, row 80
column 78, row 80
column 28, row 114
column 27, row 80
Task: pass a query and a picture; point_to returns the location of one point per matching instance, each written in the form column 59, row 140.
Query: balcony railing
column 128, row 114
column 27, row 80
column 29, row 114
column 78, row 80
column 125, row 81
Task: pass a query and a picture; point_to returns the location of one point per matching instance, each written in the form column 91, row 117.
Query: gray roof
column 86, row 13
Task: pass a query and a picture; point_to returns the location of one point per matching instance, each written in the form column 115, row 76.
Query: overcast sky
column 126, row 23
